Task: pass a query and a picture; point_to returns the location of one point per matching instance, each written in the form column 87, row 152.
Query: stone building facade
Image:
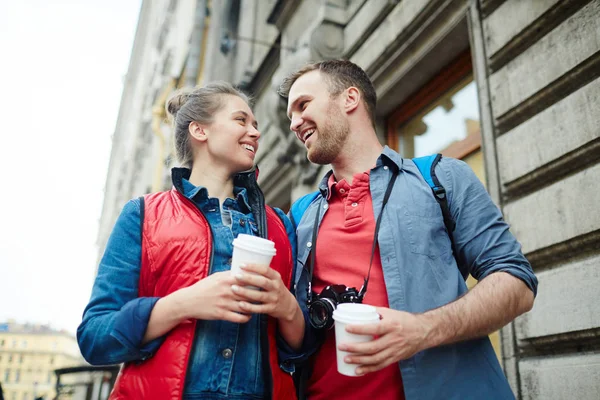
column 510, row 86
column 29, row 354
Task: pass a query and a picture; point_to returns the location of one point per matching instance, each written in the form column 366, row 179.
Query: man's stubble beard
column 332, row 137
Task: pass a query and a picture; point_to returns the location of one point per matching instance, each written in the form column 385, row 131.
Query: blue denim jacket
column 115, row 319
column 421, row 272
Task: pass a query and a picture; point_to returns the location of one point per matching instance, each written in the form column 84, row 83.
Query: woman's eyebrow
column 254, row 122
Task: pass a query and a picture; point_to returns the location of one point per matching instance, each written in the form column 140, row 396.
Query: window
column 24, row 344
column 18, row 375
column 10, row 358
column 7, row 375
column 229, row 31
column 2, row 342
column 51, row 360
column 21, row 359
column 442, row 117
column 49, row 377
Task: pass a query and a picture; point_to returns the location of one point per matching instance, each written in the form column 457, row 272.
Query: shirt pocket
column 425, row 230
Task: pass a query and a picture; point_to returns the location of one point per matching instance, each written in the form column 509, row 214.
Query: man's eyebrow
column 254, row 123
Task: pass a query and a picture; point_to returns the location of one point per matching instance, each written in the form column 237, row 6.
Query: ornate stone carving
column 290, row 150
column 327, row 42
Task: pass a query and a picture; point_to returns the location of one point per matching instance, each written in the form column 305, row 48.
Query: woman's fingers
column 236, row 317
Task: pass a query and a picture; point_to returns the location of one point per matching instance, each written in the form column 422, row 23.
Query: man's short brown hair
column 339, row 75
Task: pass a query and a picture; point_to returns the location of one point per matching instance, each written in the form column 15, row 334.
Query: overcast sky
column 61, row 73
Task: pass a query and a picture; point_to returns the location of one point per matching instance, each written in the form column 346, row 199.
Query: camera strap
column 363, row 289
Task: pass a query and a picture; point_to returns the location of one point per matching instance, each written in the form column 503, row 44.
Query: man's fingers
column 377, row 329
column 366, row 348
column 366, row 369
column 369, row 358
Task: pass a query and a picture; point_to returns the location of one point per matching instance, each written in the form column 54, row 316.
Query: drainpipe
column 159, row 115
column 192, row 65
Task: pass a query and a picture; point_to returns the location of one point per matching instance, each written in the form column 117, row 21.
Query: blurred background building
column 29, row 354
column 509, row 86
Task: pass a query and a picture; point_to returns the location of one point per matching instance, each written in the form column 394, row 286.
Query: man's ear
column 352, row 99
column 197, row 131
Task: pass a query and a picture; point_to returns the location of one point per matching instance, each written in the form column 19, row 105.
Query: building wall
column 29, row 355
column 536, row 66
column 538, row 63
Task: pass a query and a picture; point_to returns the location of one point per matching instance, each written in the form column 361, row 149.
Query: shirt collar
column 200, row 193
column 388, row 157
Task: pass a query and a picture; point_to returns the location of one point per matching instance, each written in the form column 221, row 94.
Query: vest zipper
column 210, row 266
column 264, row 319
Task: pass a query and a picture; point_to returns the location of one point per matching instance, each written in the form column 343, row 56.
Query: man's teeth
column 248, row 147
column 308, row 133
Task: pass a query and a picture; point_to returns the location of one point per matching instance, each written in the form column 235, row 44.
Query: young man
column 431, row 341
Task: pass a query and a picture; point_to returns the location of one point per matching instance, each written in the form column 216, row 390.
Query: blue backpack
column 426, row 166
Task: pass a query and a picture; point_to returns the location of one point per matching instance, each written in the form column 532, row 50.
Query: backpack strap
column 426, row 166
column 300, row 206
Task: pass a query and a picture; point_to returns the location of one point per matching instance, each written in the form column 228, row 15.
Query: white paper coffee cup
column 351, row 314
column 248, row 249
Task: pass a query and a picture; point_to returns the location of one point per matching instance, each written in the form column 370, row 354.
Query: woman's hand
column 212, row 299
column 273, row 299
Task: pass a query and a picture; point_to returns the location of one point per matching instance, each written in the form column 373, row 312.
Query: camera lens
column 321, row 313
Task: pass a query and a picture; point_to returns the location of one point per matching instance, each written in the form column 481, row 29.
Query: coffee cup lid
column 355, row 312
column 255, row 240
column 254, row 243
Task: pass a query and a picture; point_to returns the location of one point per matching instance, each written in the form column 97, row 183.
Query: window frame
column 453, row 74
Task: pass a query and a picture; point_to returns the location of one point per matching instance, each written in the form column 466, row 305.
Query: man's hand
column 398, row 336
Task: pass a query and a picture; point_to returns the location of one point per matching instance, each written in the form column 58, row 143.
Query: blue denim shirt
column 421, row 273
column 115, row 319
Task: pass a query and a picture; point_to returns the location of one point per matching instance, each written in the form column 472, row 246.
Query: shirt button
column 342, row 191
column 309, row 244
column 325, row 206
column 386, row 168
column 227, row 353
column 229, row 261
column 354, row 204
column 242, row 222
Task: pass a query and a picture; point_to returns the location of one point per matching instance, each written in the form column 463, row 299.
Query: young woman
column 164, row 301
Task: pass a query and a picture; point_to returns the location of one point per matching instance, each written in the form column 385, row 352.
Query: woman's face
column 232, row 138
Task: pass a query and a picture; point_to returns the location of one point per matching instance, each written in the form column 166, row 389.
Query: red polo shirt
column 343, row 252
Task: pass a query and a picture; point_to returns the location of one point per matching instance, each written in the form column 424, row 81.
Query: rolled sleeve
column 130, row 326
column 482, row 238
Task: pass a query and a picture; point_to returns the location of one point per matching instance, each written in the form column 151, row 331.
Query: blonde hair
column 198, row 104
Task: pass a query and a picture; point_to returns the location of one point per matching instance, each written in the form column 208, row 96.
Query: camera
column 320, row 310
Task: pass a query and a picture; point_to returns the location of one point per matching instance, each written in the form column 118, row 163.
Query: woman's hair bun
column 177, row 101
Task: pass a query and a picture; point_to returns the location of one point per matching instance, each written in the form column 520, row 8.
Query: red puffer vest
column 176, row 253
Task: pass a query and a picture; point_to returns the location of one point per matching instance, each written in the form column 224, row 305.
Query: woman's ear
column 352, row 99
column 197, row 131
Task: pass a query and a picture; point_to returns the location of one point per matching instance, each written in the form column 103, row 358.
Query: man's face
column 316, row 118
